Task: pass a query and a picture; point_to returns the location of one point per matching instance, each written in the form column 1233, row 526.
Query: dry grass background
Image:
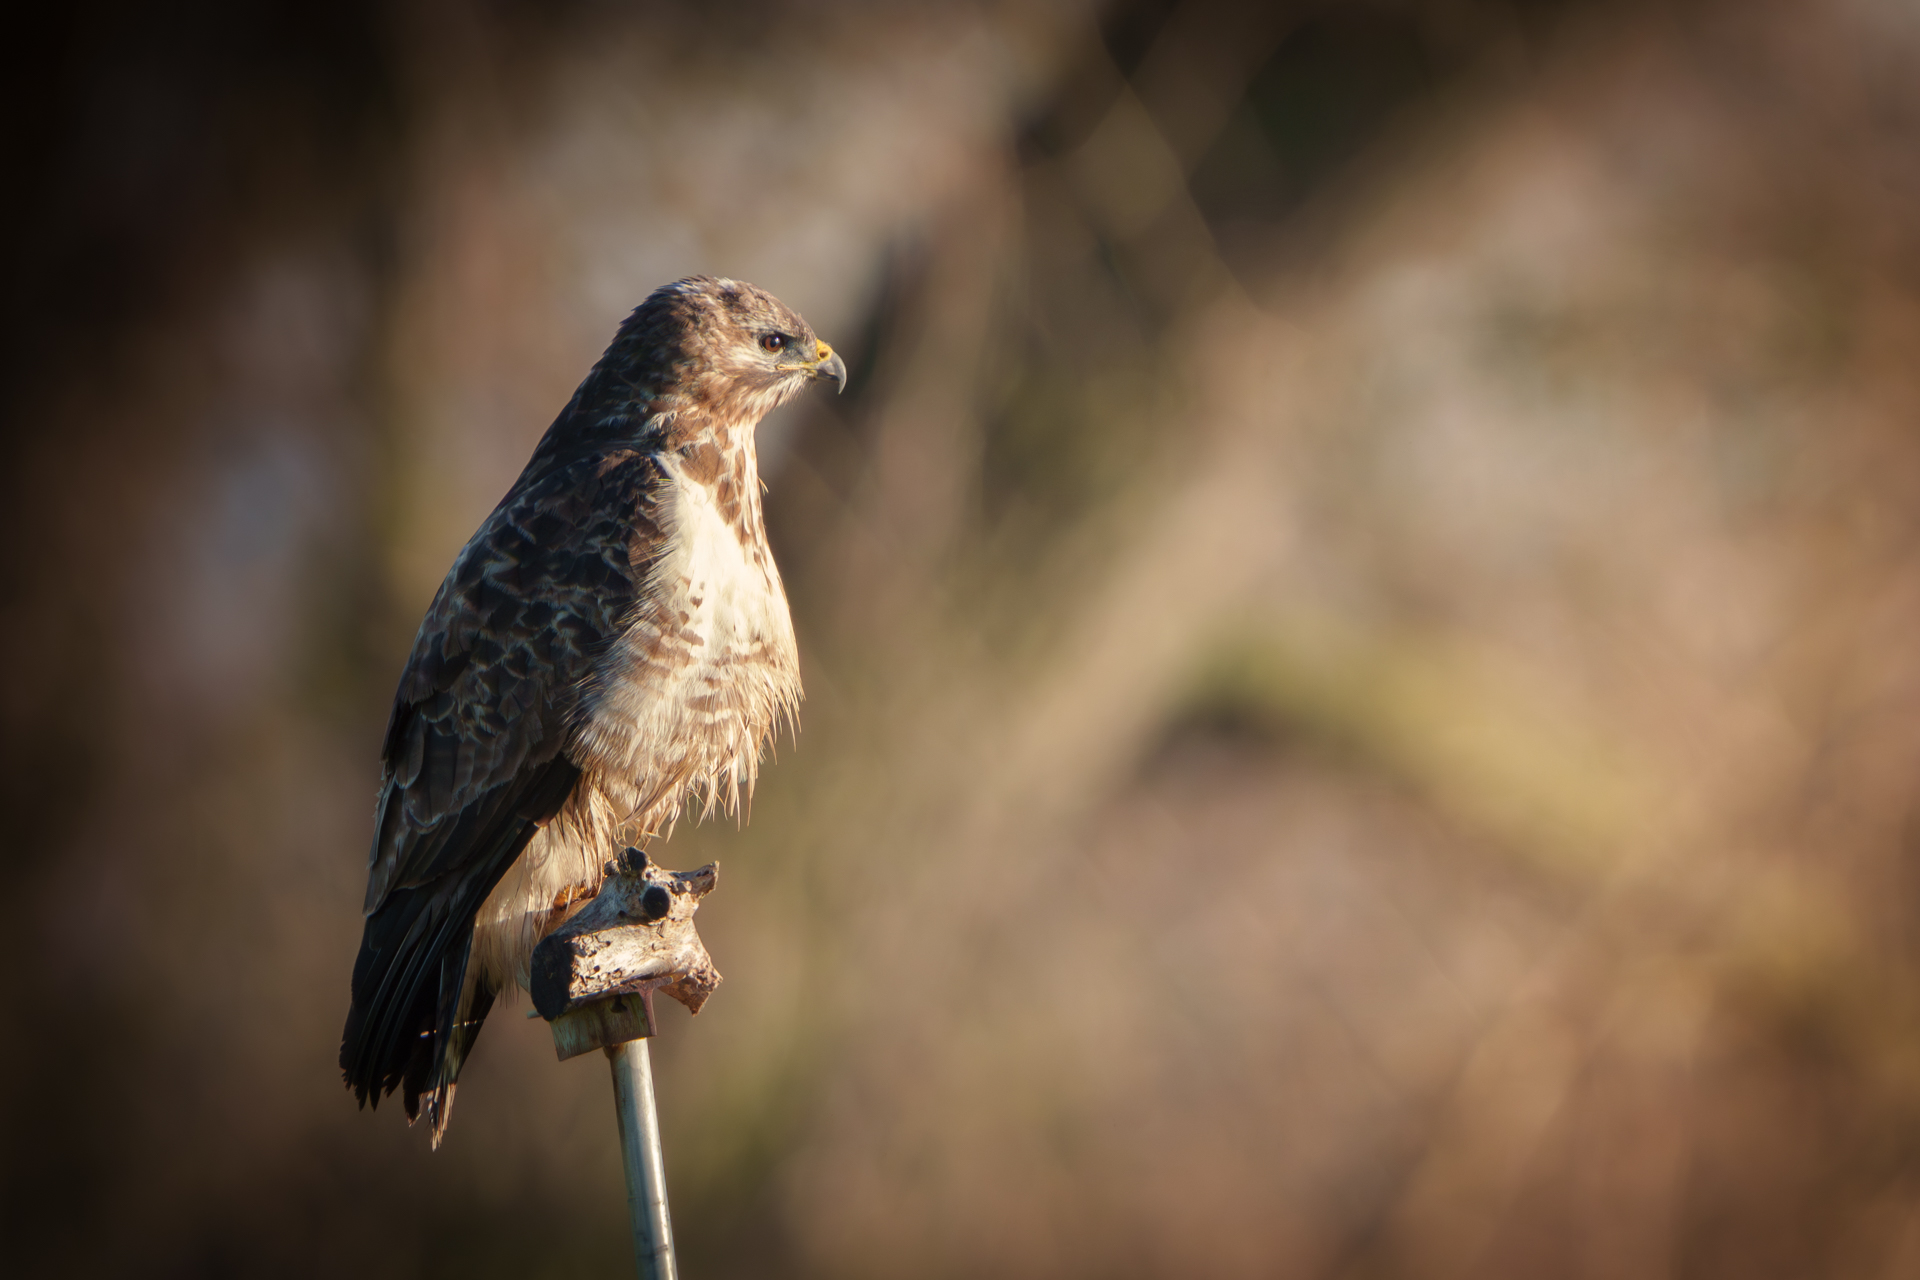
column 1363, row 715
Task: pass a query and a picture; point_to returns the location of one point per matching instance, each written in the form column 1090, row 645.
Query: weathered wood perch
column 594, row 977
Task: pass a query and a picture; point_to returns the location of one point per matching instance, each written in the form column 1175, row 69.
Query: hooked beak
column 830, row 365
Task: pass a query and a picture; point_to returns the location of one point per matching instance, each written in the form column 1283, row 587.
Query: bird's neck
column 719, row 456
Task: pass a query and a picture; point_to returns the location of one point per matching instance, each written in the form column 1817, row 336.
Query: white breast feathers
column 680, row 708
column 707, row 669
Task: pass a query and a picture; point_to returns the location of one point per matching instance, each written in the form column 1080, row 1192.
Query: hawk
column 612, row 644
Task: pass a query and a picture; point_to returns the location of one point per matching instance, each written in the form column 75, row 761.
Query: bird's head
column 727, row 348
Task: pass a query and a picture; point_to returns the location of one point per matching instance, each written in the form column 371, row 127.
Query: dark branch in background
column 1266, row 108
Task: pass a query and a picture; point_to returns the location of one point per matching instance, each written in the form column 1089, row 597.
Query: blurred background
column 1360, row 614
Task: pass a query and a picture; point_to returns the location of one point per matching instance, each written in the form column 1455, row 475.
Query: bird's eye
column 774, row 341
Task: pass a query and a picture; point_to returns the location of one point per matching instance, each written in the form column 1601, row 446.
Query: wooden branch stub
column 594, row 977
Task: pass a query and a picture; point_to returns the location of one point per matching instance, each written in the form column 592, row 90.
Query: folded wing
column 475, row 758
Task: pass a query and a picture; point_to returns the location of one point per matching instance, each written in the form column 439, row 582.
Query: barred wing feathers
column 476, row 751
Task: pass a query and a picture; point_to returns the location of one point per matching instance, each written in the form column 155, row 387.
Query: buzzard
column 612, row 644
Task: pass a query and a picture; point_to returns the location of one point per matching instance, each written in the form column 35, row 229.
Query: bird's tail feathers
column 415, row 1014
column 464, row 1017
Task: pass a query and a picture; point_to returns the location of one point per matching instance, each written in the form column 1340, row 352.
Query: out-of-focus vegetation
column 1359, row 619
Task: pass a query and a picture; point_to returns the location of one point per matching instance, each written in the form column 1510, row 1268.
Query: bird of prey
column 612, row 644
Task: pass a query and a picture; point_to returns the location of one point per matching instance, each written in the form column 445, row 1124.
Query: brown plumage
column 613, row 641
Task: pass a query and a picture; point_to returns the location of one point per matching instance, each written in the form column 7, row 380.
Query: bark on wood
column 594, row 977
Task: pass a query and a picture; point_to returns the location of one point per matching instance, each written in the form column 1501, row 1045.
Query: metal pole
column 640, row 1152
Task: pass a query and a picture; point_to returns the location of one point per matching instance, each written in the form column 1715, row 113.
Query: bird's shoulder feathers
column 492, row 687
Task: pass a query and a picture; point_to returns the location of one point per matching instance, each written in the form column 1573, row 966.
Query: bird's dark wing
column 474, row 759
